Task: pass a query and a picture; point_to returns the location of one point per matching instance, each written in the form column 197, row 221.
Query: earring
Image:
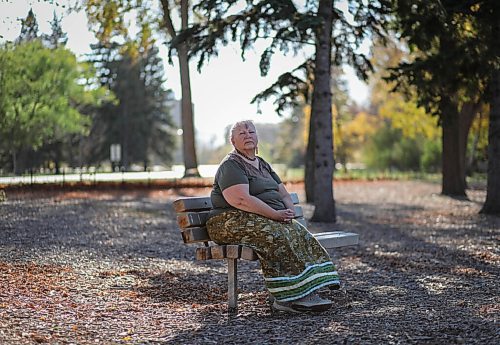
column 256, row 150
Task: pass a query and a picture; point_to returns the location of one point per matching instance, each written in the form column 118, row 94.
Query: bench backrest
column 192, row 215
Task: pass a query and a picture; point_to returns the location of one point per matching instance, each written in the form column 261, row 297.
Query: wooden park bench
column 192, row 214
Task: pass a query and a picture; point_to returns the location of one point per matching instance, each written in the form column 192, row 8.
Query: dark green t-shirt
column 263, row 183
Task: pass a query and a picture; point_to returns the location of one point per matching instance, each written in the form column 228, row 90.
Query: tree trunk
column 58, row 156
column 492, row 203
column 309, row 161
column 456, row 126
column 188, row 140
column 453, row 168
column 321, row 115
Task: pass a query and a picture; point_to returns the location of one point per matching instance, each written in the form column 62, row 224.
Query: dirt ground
column 109, row 267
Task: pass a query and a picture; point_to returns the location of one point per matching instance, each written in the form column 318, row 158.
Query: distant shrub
column 389, row 150
column 431, row 156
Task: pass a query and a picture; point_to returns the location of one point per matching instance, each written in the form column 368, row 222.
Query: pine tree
column 139, row 120
column 159, row 15
column 57, row 36
column 29, row 28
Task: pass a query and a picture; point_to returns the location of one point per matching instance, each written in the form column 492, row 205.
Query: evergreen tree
column 29, row 28
column 108, row 18
column 57, row 36
column 139, row 120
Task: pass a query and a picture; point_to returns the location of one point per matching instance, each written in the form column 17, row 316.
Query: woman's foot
column 284, row 306
column 312, row 302
column 309, row 303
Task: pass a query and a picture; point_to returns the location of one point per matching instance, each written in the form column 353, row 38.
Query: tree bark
column 492, row 203
column 321, row 115
column 456, row 126
column 309, row 161
column 453, row 171
column 188, row 134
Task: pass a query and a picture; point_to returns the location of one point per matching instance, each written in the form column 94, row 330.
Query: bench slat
column 233, row 251
column 203, row 253
column 195, row 235
column 192, row 219
column 337, row 239
column 247, row 253
column 218, row 252
column 192, row 204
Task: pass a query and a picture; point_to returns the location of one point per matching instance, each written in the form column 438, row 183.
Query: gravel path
column 111, row 268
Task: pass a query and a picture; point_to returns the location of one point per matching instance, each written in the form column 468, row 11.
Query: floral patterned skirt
column 293, row 262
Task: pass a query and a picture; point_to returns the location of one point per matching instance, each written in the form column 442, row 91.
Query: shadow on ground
column 425, row 272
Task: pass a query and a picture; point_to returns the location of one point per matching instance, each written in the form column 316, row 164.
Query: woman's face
column 245, row 137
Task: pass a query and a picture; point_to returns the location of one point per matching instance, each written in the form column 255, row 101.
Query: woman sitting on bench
column 252, row 207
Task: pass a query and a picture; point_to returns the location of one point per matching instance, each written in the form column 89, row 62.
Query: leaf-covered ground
column 111, row 268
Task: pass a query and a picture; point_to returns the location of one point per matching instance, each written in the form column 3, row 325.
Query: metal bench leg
column 232, row 282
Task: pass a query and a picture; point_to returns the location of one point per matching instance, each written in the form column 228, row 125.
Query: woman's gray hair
column 245, row 123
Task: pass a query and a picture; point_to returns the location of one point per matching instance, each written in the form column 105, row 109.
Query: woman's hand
column 285, row 196
column 239, row 197
column 285, row 216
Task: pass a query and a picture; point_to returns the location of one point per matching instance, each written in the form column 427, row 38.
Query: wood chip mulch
column 101, row 267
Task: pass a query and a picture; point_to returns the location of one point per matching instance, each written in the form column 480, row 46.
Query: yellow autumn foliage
column 350, row 132
column 413, row 121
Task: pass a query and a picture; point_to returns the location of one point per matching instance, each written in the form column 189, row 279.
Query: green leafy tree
column 289, row 28
column 456, row 49
column 400, row 108
column 388, row 149
column 58, row 150
column 107, row 17
column 40, row 94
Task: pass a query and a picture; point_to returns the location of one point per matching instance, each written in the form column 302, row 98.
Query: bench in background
column 192, row 214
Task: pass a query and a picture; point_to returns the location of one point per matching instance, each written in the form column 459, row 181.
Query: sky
column 221, row 92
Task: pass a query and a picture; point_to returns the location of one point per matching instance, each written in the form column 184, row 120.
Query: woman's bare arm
column 239, row 197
